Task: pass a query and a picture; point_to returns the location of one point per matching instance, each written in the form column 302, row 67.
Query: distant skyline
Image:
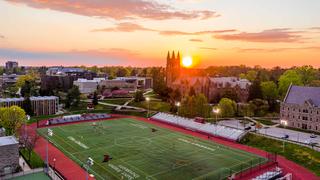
column 138, row 33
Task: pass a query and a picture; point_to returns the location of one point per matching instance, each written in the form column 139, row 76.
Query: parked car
column 313, row 136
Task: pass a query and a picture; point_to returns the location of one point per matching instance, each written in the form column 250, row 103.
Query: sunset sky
column 140, row 32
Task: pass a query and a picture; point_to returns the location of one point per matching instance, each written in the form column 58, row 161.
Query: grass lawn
column 118, row 101
column 139, row 153
column 265, row 121
column 302, row 155
column 154, row 105
column 35, row 159
column 33, row 176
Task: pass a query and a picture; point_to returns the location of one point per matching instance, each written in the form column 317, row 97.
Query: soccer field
column 139, row 153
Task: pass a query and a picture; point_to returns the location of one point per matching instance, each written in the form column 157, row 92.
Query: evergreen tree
column 95, row 98
column 73, row 97
column 255, row 89
column 27, row 106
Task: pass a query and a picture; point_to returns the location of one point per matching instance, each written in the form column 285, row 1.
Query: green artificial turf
column 139, row 153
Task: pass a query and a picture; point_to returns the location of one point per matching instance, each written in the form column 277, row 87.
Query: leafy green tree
column 203, row 109
column 228, row 107
column 255, row 89
column 245, row 110
column 307, row 74
column 270, row 93
column 12, row 118
column 138, row 96
column 260, row 107
column 315, row 83
column 230, row 94
column 288, row 77
column 122, row 72
column 73, row 97
column 251, row 75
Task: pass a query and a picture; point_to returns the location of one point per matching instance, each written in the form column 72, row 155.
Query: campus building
column 301, row 108
column 9, row 154
column 88, row 86
column 61, row 78
column 142, row 82
column 129, row 85
column 216, row 87
column 41, row 105
column 212, row 87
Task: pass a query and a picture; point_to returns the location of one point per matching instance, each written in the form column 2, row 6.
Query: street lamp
column 216, row 111
column 54, row 163
column 88, row 164
column 178, row 104
column 148, row 101
column 284, row 123
column 50, row 133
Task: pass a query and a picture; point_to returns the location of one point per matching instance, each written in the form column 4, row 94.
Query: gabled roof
column 303, row 94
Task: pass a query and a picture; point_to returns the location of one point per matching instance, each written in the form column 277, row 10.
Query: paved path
column 23, row 164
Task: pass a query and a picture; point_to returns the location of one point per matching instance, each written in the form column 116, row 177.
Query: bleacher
column 188, row 123
column 276, row 173
column 77, row 118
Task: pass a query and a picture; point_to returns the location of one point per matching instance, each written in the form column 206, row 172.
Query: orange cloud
column 196, row 40
column 175, row 33
column 118, row 9
column 124, row 27
column 277, row 49
column 270, row 36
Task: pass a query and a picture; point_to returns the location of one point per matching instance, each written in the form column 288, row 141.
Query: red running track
column 72, row 170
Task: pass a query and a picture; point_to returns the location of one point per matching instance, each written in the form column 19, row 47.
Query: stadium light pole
column 148, row 101
column 50, row 133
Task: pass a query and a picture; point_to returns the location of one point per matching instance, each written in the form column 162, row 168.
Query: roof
column 303, row 94
column 31, row 98
column 8, row 140
column 233, row 81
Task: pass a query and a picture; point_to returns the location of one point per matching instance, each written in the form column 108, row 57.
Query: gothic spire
column 173, row 55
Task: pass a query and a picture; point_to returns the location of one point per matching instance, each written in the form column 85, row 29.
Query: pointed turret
column 168, row 56
column 178, row 57
column 173, row 55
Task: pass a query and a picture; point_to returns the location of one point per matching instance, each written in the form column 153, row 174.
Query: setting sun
column 187, row 61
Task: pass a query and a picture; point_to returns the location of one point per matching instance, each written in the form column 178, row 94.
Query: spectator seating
column 77, row 118
column 207, row 128
column 274, row 174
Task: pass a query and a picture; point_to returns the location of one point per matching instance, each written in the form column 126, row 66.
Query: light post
column 216, row 111
column 148, row 101
column 54, row 163
column 284, row 123
column 25, row 125
column 88, row 164
column 178, row 104
column 50, row 133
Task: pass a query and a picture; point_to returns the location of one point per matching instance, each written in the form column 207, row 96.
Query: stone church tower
column 173, row 68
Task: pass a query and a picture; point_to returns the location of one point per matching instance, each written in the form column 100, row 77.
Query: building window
column 316, row 128
column 298, row 125
column 304, row 126
column 304, row 118
column 305, row 111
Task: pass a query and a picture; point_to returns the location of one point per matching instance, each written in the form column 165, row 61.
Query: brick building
column 41, row 105
column 301, row 108
column 9, row 154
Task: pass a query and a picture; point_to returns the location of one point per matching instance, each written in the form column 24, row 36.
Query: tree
column 202, row 107
column 122, row 72
column 251, row 75
column 230, row 94
column 270, row 93
column 288, row 77
column 307, row 74
column 73, row 97
column 315, row 83
column 138, row 96
column 192, row 92
column 95, row 98
column 260, row 107
column 12, row 118
column 228, row 107
column 255, row 89
column 27, row 106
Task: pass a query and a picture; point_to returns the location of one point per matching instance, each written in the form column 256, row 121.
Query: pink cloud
column 175, row 33
column 118, row 9
column 124, row 27
column 272, row 36
column 267, row 50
